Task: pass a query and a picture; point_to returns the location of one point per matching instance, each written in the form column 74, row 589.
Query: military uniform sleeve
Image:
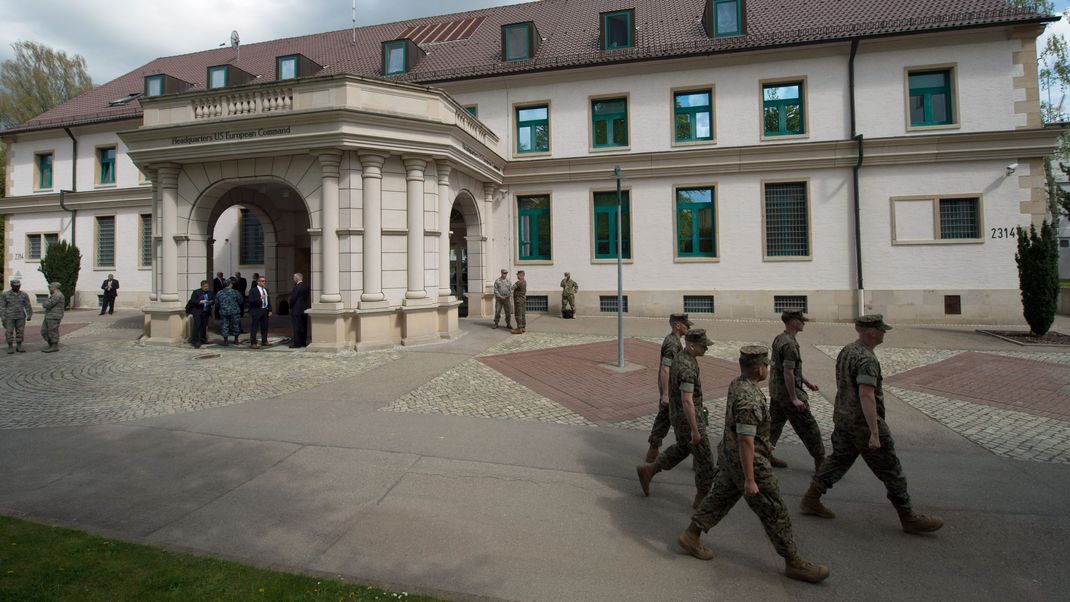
column 747, row 413
column 789, row 355
column 687, row 377
column 867, row 371
column 666, row 353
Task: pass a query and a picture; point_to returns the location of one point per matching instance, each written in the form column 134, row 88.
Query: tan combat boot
column 777, row 462
column 652, row 454
column 689, row 541
column 646, row 472
column 18, row 347
column 11, row 350
column 918, row 523
column 811, row 504
column 797, row 568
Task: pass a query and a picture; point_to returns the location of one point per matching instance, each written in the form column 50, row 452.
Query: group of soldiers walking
column 753, row 424
column 16, row 309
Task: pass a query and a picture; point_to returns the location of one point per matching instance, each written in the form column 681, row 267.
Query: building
column 840, row 157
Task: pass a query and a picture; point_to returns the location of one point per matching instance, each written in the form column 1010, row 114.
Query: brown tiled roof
column 569, row 28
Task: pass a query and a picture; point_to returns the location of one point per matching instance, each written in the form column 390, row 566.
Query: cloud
column 116, row 36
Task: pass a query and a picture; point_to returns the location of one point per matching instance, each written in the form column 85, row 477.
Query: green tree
column 1038, row 275
column 61, row 263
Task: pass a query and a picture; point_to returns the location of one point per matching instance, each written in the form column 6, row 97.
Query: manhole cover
column 206, row 356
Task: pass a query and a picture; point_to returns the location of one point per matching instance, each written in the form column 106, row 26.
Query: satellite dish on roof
column 234, row 42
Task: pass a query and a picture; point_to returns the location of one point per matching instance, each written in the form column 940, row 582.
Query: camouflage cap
column 872, row 321
column 16, row 282
column 53, row 285
column 567, row 274
column 680, row 318
column 698, row 336
column 794, row 315
column 752, row 354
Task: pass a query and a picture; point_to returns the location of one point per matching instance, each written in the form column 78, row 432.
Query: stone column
column 444, row 209
column 489, row 270
column 168, row 185
column 372, row 217
column 150, row 172
column 414, row 186
column 329, row 161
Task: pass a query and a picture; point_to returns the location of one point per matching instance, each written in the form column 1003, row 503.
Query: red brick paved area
column 1008, row 383
column 574, row 377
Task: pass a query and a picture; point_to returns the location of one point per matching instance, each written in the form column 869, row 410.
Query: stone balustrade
column 243, row 103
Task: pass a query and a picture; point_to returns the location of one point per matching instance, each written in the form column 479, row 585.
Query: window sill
column 787, row 259
column 696, row 259
column 610, row 261
column 950, row 241
column 104, row 186
column 609, row 149
column 144, row 268
column 930, row 128
column 102, row 268
column 535, row 262
column 531, row 155
column 693, row 143
column 787, row 137
column 43, row 190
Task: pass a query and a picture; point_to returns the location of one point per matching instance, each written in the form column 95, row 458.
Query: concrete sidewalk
column 323, row 480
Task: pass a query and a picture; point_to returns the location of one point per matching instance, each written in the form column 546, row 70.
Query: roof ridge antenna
column 354, row 42
column 235, row 43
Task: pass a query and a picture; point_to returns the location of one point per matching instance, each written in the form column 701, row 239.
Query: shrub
column 1038, row 276
column 61, row 263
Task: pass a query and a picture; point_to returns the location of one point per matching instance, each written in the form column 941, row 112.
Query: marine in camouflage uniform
column 782, row 401
column 860, row 430
column 520, row 300
column 678, row 323
column 229, row 303
column 686, row 417
column 502, row 289
column 568, row 294
column 745, row 471
column 15, row 309
column 53, row 306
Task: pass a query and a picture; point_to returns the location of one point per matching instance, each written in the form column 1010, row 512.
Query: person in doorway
column 300, row 299
column 260, row 310
column 218, row 284
column 228, row 305
column 568, row 296
column 502, row 289
column 200, row 305
column 54, row 308
column 788, row 399
column 16, row 310
column 243, row 286
column 520, row 300
column 110, row 286
column 678, row 325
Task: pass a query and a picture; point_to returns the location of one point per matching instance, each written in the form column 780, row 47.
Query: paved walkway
column 467, row 469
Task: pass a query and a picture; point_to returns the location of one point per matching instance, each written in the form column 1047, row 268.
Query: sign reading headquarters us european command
column 230, row 135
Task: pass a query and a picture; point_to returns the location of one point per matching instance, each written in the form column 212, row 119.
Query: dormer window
column 154, row 85
column 161, row 83
column 723, row 18
column 519, row 41
column 226, row 76
column 400, row 56
column 618, row 30
column 286, row 67
column 293, row 66
column 217, row 77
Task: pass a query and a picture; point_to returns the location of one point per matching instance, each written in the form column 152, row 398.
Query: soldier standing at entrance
column 16, row 310
column 568, row 296
column 788, row 399
column 678, row 325
column 860, row 430
column 502, row 289
column 745, row 471
column 53, row 315
column 685, row 413
column 520, row 300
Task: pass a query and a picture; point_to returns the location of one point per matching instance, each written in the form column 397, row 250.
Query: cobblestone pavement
column 1007, row 433
column 114, row 381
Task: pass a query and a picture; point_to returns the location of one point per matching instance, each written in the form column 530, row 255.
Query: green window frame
column 44, row 171
column 106, row 158
column 286, row 67
column 930, row 97
column 609, row 122
column 787, row 220
column 727, row 18
column 692, row 115
column 473, row 110
column 533, row 129
column 782, row 109
column 154, row 85
column 218, row 77
column 395, row 57
column 696, row 227
column 533, row 228
column 617, row 30
column 605, row 225
column 517, row 42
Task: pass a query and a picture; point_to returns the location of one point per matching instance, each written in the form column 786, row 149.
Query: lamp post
column 620, row 273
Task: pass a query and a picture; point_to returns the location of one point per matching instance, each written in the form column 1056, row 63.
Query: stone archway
column 468, row 252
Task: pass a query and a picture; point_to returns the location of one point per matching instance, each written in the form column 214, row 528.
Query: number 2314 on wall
column 1004, row 232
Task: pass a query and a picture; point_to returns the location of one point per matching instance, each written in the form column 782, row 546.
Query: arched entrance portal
column 466, row 255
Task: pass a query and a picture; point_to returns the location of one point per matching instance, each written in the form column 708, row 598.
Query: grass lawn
column 39, row 562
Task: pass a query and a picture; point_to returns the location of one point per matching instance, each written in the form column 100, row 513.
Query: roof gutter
column 74, row 186
column 858, row 138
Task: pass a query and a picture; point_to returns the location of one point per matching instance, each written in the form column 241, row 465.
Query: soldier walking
column 502, row 289
column 859, row 430
column 788, row 399
column 687, row 418
column 16, row 310
column 53, row 306
column 520, row 300
column 568, row 296
column 745, row 471
column 678, row 325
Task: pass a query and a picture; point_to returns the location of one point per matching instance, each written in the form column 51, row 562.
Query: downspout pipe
column 74, row 186
column 860, row 140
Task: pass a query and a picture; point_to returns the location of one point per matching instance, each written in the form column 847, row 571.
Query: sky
column 116, row 36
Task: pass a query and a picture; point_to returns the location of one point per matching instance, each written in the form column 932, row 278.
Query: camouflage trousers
column 230, row 324
column 500, row 305
column 519, row 309
column 14, row 330
column 661, row 426
column 568, row 302
column 782, row 410
column 705, row 469
column 847, row 445
column 50, row 331
column 767, row 504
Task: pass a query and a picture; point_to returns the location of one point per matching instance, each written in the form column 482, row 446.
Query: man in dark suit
column 300, row 299
column 110, row 286
column 260, row 310
column 218, row 284
column 200, row 306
